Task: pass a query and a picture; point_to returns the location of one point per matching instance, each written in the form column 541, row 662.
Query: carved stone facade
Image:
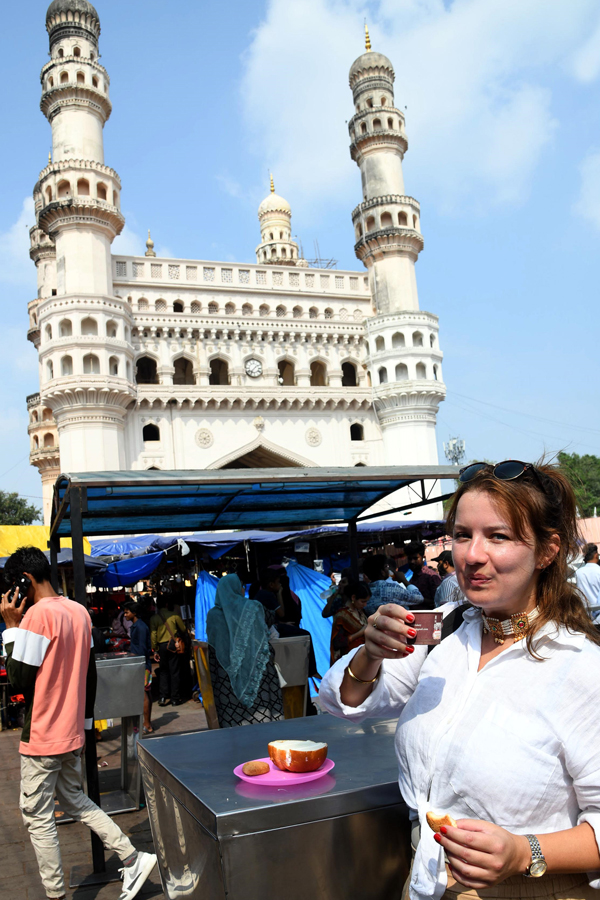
column 181, row 363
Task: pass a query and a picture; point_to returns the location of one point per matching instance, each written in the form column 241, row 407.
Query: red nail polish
column 410, row 649
column 443, row 829
column 437, row 838
column 411, row 632
column 410, row 617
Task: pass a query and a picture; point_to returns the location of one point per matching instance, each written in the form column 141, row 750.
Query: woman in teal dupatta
column 244, row 679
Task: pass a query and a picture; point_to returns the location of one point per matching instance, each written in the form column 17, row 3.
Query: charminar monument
column 147, row 362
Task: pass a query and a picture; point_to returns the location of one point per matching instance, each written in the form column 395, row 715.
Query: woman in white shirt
column 498, row 725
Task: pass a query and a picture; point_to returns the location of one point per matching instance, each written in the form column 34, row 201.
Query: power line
column 529, row 415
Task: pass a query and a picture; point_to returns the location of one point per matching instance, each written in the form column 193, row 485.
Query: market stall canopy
column 156, row 501
column 14, row 536
column 128, row 571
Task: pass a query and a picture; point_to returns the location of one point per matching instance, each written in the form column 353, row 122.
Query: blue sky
column 501, row 110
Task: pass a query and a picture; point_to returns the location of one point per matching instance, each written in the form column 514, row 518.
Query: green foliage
column 15, row 510
column 584, row 474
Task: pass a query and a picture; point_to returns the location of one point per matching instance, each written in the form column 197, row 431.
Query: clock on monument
column 253, row 368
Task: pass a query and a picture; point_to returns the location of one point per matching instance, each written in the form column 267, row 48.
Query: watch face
column 538, row 868
column 253, row 368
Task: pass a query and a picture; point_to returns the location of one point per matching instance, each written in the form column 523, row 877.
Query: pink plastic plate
column 277, row 778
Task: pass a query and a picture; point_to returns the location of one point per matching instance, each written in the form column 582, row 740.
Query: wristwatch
column 538, row 865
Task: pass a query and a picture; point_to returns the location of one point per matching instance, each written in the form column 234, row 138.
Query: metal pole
column 77, row 542
column 353, row 541
column 54, row 544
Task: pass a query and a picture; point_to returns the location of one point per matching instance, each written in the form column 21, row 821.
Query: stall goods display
column 436, row 821
column 297, row 756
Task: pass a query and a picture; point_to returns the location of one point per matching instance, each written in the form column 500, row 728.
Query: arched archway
column 146, row 372
column 219, row 371
column 184, row 371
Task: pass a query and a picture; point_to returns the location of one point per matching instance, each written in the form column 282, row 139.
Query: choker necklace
column 517, row 625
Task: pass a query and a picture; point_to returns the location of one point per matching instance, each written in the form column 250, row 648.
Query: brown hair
column 541, row 508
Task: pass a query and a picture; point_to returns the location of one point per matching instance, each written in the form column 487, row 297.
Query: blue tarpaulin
column 206, row 589
column 127, row 571
column 122, row 546
column 309, row 584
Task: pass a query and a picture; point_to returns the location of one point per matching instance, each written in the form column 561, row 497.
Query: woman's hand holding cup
column 389, row 633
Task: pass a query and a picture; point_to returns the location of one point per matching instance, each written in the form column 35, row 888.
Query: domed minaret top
column 275, row 217
column 66, row 18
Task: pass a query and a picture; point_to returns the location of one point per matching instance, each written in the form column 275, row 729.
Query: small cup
column 428, row 625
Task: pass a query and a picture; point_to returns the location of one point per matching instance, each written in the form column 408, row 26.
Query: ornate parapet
column 392, row 241
column 82, row 211
column 85, row 96
column 408, row 401
column 253, row 398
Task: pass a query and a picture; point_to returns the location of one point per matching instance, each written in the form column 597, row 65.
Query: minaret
column 86, row 357
column 277, row 246
column 404, row 356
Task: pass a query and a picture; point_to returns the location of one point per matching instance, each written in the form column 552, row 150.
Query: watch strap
column 536, row 850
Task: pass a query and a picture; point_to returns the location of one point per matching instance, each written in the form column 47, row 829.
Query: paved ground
column 19, row 879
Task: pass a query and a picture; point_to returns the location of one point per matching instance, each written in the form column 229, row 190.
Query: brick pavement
column 19, row 878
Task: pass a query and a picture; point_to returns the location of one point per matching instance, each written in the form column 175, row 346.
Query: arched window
column 80, row 78
column 402, row 219
column 184, row 371
column 36, row 442
column 247, row 309
column 143, row 304
column 359, row 230
column 49, row 195
column 49, row 440
column 328, row 313
column 379, row 344
column 377, row 124
column 417, row 339
column 113, row 365
column 287, row 376
column 92, row 56
column 386, row 220
column 363, row 127
column 421, row 370
column 357, row 432
column 414, row 221
column 280, row 312
column 401, row 372
column 83, row 187
column 297, row 312
column 76, row 52
column 65, row 329
column 64, row 189
column 391, row 124
column 230, row 309
column 95, row 81
column 146, row 372
column 369, row 103
column 34, row 416
column 213, row 307
column 51, row 82
column 318, row 374
column 111, row 329
column 383, row 375
column 274, row 253
column 151, row 432
column 160, row 306
column 64, row 77
column 61, row 53
column 398, row 340
column 383, row 101
column 178, row 306
column 370, row 223
column 283, row 253
column 47, row 415
column 101, row 191
column 115, row 198
column 195, row 307
column 349, row 375
column 219, row 372
column 49, row 370
column 48, row 332
column 271, row 236
column 91, row 364
column 435, row 373
column 263, row 310
column 313, row 313
column 66, row 365
column 432, row 340
column 89, row 326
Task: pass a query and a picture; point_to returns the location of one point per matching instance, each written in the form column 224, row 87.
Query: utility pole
column 454, row 450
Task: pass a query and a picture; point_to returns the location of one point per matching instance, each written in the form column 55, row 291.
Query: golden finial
column 367, row 38
column 272, row 185
column 49, row 159
column 150, row 246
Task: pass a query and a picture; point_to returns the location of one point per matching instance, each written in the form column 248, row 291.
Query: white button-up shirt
column 516, row 744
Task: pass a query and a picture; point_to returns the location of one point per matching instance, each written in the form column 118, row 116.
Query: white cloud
column 473, row 74
column 16, row 268
column 128, row 243
column 588, row 203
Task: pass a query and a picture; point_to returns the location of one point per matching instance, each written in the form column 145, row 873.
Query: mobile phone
column 22, row 584
column 428, row 625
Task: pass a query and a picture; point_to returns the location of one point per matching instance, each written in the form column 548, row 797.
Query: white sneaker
column 134, row 876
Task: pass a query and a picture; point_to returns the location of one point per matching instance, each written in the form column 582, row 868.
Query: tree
column 15, row 510
column 584, row 474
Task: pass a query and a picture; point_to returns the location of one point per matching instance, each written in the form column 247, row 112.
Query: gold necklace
column 518, row 625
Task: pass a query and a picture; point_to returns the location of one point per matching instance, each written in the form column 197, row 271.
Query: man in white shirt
column 588, row 576
column 448, row 591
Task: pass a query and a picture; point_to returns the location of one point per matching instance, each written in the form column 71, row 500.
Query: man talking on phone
column 50, row 660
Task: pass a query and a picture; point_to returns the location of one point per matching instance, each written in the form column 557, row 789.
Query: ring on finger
column 375, row 620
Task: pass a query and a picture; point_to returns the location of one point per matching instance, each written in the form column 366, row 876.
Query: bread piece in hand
column 298, row 756
column 256, row 767
column 436, row 821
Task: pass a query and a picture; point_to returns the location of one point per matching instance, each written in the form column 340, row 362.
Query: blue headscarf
column 236, row 630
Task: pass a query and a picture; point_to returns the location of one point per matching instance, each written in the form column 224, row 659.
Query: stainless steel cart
column 344, row 835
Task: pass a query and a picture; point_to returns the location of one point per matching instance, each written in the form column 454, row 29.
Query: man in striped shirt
column 49, row 659
column 448, row 591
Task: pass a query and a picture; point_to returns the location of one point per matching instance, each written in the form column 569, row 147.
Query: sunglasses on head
column 504, row 471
